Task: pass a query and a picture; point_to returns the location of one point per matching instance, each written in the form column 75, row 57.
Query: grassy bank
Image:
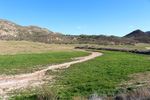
column 25, row 63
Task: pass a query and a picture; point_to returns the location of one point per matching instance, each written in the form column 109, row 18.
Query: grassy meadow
column 25, row 47
column 27, row 63
column 108, row 74
column 105, row 74
column 17, row 57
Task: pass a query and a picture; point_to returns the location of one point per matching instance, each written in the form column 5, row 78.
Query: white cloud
column 131, row 26
column 80, row 27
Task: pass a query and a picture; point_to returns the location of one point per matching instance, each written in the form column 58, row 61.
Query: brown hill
column 136, row 34
column 139, row 36
column 10, row 29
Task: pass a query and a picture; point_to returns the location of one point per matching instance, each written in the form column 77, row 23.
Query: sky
column 76, row 17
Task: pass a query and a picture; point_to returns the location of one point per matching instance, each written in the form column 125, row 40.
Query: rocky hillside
column 139, row 36
column 12, row 31
column 8, row 28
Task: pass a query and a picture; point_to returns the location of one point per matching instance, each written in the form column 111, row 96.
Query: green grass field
column 103, row 74
column 26, row 63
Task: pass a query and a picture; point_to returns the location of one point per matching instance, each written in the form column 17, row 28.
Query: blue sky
column 75, row 17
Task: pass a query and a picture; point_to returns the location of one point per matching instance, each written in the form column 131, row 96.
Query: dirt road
column 33, row 79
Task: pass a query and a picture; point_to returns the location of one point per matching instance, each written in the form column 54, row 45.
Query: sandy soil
column 10, row 83
column 148, row 48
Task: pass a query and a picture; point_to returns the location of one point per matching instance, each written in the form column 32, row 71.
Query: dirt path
column 25, row 80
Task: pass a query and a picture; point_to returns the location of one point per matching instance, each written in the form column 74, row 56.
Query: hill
column 139, row 36
column 148, row 32
column 13, row 31
column 136, row 34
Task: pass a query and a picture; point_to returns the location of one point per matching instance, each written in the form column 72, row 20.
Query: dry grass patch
column 138, row 80
column 23, row 47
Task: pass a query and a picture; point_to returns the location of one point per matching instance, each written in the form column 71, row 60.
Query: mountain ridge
column 13, row 31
